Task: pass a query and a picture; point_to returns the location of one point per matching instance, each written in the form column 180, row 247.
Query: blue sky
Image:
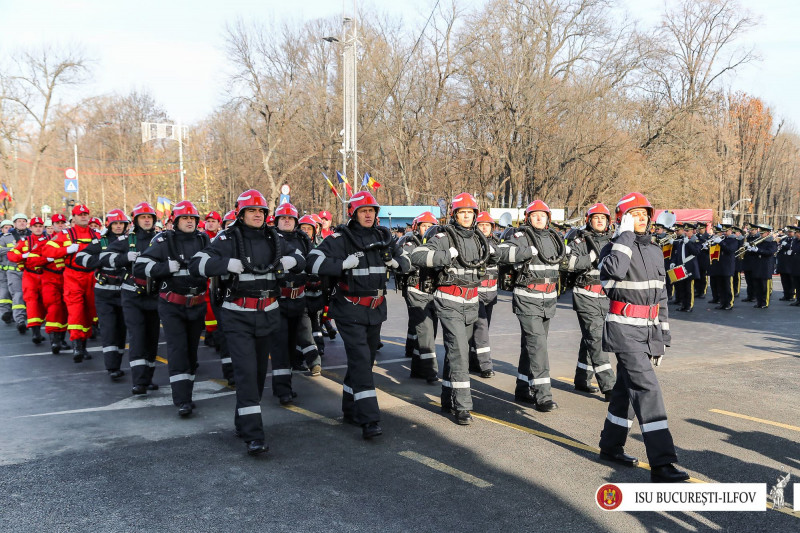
column 174, row 48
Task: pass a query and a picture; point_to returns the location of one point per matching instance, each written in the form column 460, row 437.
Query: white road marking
column 441, row 467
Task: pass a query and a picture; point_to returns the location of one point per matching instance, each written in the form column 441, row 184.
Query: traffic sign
column 70, row 173
column 284, row 199
column 285, row 190
column 46, row 209
column 71, row 186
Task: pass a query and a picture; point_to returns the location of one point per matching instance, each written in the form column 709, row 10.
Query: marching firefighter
column 108, row 292
column 5, row 294
column 139, row 297
column 590, row 302
column 359, row 254
column 722, row 267
column 536, row 251
column 78, row 280
column 480, row 352
column 252, row 254
column 213, row 221
column 459, row 253
column 636, row 329
column 418, row 287
column 315, row 289
column 14, row 273
column 53, row 294
column 28, row 253
column 181, row 297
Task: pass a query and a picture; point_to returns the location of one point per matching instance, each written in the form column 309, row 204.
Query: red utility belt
column 542, row 287
column 593, row 288
column 254, row 303
column 181, row 299
column 368, row 301
column 489, row 283
column 632, row 310
column 292, row 292
column 468, row 293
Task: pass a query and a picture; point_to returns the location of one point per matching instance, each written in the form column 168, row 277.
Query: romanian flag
column 677, row 274
column 713, row 252
column 667, row 250
column 163, row 208
column 5, row 194
column 346, row 184
column 333, row 189
column 370, row 182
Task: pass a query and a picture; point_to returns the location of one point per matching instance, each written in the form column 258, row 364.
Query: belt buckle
column 295, row 291
column 375, row 302
column 625, row 309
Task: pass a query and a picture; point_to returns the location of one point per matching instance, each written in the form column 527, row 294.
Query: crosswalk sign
column 70, row 185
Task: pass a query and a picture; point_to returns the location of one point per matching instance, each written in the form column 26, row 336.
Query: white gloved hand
column 392, row 263
column 752, row 248
column 453, row 253
column 718, row 239
column 72, row 248
column 492, row 251
column 174, row 266
column 656, row 360
column 132, row 256
column 685, row 240
column 568, row 249
column 671, row 266
column 625, row 224
column 235, row 266
column 592, row 256
column 25, row 255
column 351, row 261
column 534, row 251
column 788, row 252
column 288, row 262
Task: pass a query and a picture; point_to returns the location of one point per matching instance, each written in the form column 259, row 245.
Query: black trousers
column 788, row 286
column 422, row 326
column 722, row 286
column 748, row 278
column 533, row 371
column 359, row 400
column 480, row 351
column 456, row 393
column 112, row 326
column 182, row 328
column 684, row 293
column 592, row 360
column 141, row 319
column 221, row 341
column 762, row 291
column 701, row 284
column 637, row 393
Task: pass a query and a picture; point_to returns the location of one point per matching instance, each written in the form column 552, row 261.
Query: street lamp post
column 176, row 132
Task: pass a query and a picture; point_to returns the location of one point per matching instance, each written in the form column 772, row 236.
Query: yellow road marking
column 310, row 414
column 566, row 380
column 441, row 467
column 393, row 342
column 161, row 359
column 222, row 382
column 754, row 419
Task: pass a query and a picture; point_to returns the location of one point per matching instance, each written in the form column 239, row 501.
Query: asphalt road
column 78, row 453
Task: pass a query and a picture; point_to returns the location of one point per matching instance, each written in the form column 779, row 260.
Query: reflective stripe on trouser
column 701, row 284
column 788, row 286
column 211, row 323
column 5, row 294
column 737, row 283
column 14, row 279
column 796, row 283
column 32, row 292
column 79, row 295
column 294, row 331
column 637, row 392
column 53, row 298
column 592, row 360
column 182, row 328
column 222, row 343
column 305, row 349
column 423, row 322
column 141, row 319
column 534, row 363
column 359, row 400
column 762, row 291
column 722, row 288
column 456, row 393
column 684, row 293
column 249, row 336
column 480, row 352
column 314, row 312
column 112, row 327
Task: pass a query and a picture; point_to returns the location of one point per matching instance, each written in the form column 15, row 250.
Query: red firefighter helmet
column 597, row 209
column 269, row 220
column 251, row 198
column 537, row 205
column 324, row 214
column 230, row 216
column 80, row 209
column 633, row 200
column 201, row 225
column 95, row 220
column 184, row 208
column 216, row 216
column 359, row 200
column 116, row 215
column 484, row 216
column 286, row 210
column 142, row 208
column 308, row 220
column 425, row 218
column 58, row 217
column 36, row 220
column 463, row 201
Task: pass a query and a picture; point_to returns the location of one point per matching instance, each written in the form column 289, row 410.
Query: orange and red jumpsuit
column 78, row 281
column 53, row 296
column 28, row 253
column 211, row 320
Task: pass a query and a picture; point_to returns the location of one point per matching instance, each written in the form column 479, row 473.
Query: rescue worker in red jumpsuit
column 55, row 324
column 78, row 281
column 28, row 253
column 212, row 227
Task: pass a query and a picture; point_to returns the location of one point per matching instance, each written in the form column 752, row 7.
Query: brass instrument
column 743, row 250
column 666, row 239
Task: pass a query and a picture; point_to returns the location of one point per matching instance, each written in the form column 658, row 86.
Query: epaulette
column 518, row 234
column 159, row 239
column 221, row 236
column 440, row 235
column 336, row 235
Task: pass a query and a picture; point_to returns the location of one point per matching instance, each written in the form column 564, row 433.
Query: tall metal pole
column 180, row 157
column 354, row 90
column 77, row 176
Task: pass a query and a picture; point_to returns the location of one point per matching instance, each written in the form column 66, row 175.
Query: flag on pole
column 370, row 182
column 163, row 207
column 333, row 188
column 713, row 252
column 346, row 183
column 4, row 193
